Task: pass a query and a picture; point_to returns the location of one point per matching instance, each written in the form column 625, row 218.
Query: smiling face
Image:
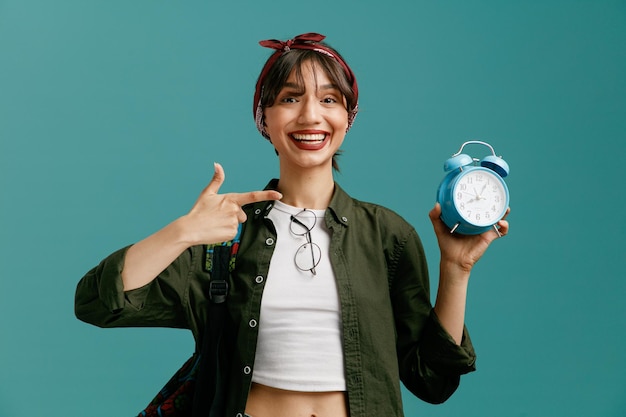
column 308, row 120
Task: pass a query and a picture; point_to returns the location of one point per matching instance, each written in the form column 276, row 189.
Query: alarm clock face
column 480, row 197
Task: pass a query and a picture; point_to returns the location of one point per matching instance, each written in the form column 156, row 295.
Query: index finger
column 255, row 196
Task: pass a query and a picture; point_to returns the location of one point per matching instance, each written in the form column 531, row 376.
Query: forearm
column 452, row 299
column 146, row 259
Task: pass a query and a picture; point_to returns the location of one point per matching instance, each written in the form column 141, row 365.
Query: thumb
column 217, row 180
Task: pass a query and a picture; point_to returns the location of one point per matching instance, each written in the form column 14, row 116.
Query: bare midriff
column 264, row 401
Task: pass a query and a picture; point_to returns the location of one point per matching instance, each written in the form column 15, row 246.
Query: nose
column 310, row 111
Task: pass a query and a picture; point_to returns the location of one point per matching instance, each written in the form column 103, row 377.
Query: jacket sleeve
column 430, row 362
column 100, row 298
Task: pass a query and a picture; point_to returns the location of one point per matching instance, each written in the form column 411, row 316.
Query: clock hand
column 473, row 199
column 479, row 195
column 476, row 195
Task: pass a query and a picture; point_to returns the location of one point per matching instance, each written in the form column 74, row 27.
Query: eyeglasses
column 308, row 255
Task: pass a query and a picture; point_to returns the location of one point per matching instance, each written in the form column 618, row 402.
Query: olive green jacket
column 390, row 332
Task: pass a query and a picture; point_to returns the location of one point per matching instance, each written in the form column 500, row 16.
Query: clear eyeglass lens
column 308, row 256
column 303, row 222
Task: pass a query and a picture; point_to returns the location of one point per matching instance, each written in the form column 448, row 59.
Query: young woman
column 329, row 305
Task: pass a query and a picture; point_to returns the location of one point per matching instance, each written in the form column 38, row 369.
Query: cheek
column 274, row 126
column 341, row 122
column 273, row 117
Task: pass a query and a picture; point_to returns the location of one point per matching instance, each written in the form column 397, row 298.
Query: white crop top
column 299, row 345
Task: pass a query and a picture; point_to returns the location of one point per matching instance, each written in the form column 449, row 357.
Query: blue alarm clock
column 473, row 195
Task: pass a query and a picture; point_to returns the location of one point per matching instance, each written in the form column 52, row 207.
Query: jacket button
column 345, row 219
column 259, row 279
column 257, row 211
column 247, row 370
column 252, row 323
column 269, row 241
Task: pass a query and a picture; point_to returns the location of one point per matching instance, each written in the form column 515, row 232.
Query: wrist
column 453, row 273
column 462, row 262
column 182, row 233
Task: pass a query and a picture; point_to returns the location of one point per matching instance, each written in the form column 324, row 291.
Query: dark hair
column 292, row 61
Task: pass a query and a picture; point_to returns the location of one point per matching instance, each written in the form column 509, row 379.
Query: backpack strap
column 209, row 393
column 218, row 285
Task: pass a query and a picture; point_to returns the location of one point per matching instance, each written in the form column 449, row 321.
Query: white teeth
column 312, row 137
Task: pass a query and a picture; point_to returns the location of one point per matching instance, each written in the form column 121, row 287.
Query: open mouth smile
column 310, row 141
column 310, row 138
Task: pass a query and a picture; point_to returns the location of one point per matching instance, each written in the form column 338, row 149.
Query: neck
column 312, row 190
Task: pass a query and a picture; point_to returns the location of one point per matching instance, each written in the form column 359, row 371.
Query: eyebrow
column 300, row 88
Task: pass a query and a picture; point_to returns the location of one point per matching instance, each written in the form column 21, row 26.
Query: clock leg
column 497, row 231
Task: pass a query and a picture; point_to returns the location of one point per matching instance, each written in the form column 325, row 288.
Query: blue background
column 112, row 113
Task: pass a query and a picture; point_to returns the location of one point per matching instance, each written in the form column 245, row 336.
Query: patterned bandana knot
column 310, row 41
column 303, row 39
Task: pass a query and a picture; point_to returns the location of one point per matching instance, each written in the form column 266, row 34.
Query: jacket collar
column 340, row 207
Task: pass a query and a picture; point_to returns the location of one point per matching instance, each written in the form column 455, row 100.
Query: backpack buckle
column 217, row 291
